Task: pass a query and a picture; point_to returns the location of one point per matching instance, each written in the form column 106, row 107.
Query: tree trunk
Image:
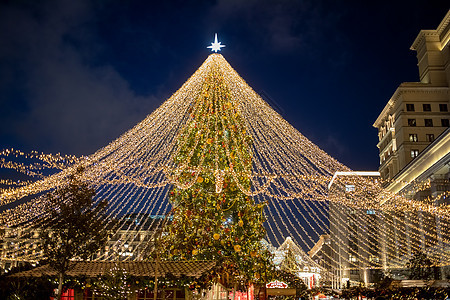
column 234, row 290
column 155, row 290
column 60, row 284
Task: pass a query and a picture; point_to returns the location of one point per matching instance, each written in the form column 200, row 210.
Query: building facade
column 414, row 145
column 354, row 231
column 418, row 112
column 134, row 239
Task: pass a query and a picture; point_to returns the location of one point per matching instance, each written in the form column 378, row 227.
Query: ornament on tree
column 214, row 219
column 219, row 174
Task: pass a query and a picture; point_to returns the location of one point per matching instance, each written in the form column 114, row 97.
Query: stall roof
column 135, row 268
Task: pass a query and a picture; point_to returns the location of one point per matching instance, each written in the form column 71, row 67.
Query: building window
column 444, row 122
column 409, row 107
column 426, row 107
column 411, row 122
column 428, row 122
column 374, row 258
column 443, row 107
column 352, row 258
column 354, row 272
column 413, row 137
column 430, row 137
column 68, row 294
column 349, row 188
column 370, row 212
column 414, row 153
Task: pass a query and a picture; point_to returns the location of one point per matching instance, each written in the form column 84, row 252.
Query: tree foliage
column 292, row 280
column 420, row 266
column 75, row 227
column 289, row 263
column 114, row 285
column 212, row 218
column 15, row 288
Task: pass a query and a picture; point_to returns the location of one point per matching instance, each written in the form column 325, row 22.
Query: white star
column 216, row 45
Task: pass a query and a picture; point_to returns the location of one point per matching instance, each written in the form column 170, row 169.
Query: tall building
column 414, row 144
column 354, row 231
column 418, row 112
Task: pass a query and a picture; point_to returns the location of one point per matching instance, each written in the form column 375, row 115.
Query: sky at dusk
column 74, row 75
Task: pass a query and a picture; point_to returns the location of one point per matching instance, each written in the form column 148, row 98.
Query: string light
column 136, row 171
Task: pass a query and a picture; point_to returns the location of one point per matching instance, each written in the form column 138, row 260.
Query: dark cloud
column 74, row 75
column 332, row 144
column 282, row 26
column 73, row 103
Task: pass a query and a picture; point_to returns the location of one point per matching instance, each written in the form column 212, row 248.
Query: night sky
column 74, row 75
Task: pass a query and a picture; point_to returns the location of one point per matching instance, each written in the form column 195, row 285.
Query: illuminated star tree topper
column 216, row 45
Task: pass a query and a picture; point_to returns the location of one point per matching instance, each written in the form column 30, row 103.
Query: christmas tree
column 212, row 218
column 289, row 263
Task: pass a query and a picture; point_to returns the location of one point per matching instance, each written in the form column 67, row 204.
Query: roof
column 404, row 88
column 135, row 268
column 441, row 32
column 353, row 173
column 306, row 261
column 317, row 246
column 421, row 283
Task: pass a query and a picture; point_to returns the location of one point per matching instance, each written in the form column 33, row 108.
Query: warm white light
column 289, row 172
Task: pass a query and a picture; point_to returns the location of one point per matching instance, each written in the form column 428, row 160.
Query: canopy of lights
column 137, row 171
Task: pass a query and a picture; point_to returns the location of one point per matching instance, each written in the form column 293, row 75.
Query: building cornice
column 379, row 121
column 406, row 87
column 421, row 37
column 389, row 131
column 444, row 23
column 434, row 32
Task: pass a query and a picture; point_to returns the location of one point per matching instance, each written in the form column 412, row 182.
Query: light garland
column 136, row 172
